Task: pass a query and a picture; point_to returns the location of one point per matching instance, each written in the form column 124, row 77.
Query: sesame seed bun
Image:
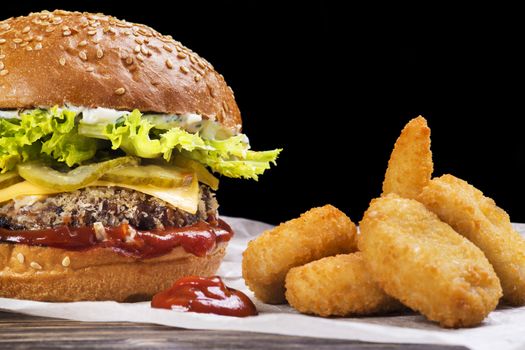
column 52, row 274
column 93, row 60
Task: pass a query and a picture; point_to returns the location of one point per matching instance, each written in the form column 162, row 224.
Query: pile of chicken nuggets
column 437, row 246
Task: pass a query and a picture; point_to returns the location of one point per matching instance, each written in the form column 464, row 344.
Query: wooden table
column 30, row 332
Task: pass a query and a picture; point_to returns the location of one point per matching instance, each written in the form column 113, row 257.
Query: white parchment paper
column 503, row 328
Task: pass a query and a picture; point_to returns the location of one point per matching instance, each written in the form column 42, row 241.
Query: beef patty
column 110, row 206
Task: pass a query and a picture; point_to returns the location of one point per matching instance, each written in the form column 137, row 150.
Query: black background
column 334, row 87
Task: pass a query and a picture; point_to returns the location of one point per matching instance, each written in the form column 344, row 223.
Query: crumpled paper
column 502, row 329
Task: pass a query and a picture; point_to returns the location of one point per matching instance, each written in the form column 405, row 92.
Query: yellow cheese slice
column 185, row 197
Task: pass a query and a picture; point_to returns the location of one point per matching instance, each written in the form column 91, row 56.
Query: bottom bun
column 52, row 274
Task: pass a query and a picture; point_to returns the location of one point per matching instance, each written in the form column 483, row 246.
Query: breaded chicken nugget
column 477, row 217
column 337, row 286
column 318, row 233
column 425, row 264
column 410, row 166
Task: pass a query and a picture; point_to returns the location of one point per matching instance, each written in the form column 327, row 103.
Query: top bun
column 93, row 60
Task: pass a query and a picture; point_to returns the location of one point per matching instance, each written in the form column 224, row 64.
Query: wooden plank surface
column 29, row 332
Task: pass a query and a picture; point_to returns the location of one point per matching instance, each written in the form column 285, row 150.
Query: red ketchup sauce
column 197, row 239
column 205, row 295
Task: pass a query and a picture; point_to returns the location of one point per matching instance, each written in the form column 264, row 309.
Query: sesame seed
column 140, row 57
column 83, row 55
column 24, row 44
column 39, row 38
column 169, row 64
column 137, row 49
column 212, row 93
column 2, row 66
column 92, row 32
column 3, row 72
column 167, row 48
column 112, row 31
column 181, row 55
column 146, row 40
column 198, row 71
column 193, row 59
column 197, row 78
column 144, row 50
column 120, row 91
column 17, row 40
column 29, row 48
column 38, row 46
column 62, row 61
column 123, row 25
column 201, row 64
column 35, row 265
column 90, row 69
column 65, row 28
column 50, row 29
column 2, row 56
column 83, row 43
column 2, row 41
column 139, row 41
column 66, row 33
column 20, row 257
column 66, row 261
column 129, row 60
column 100, row 53
column 26, row 29
column 184, row 70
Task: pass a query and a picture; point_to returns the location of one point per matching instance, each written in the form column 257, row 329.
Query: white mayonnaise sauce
column 100, row 115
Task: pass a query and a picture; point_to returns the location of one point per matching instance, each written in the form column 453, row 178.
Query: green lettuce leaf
column 70, row 148
column 58, row 134
column 52, row 132
column 230, row 157
column 250, row 167
column 133, row 136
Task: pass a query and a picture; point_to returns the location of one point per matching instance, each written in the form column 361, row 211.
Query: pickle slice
column 156, row 175
column 40, row 174
column 9, row 178
column 203, row 174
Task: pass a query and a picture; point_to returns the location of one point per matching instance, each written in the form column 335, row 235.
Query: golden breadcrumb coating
column 477, row 217
column 320, row 232
column 410, row 166
column 425, row 264
column 337, row 286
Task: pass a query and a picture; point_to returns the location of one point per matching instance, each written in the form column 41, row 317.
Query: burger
column 112, row 141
